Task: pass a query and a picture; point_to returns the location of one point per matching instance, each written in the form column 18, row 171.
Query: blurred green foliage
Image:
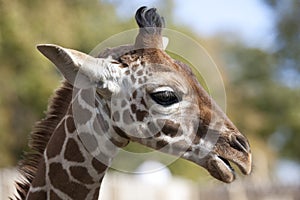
column 266, row 83
column 27, row 79
column 259, row 100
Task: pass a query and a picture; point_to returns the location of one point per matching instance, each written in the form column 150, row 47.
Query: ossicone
column 150, row 28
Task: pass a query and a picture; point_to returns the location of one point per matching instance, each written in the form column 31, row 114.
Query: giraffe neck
column 69, row 169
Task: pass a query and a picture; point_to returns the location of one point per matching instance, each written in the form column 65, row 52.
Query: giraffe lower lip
column 221, row 169
column 226, row 162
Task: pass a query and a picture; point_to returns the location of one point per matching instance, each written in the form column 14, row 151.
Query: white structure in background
column 153, row 173
column 152, row 180
column 7, row 182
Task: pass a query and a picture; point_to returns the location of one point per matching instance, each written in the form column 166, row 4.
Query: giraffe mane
column 40, row 137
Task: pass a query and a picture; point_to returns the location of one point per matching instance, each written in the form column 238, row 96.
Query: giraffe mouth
column 220, row 168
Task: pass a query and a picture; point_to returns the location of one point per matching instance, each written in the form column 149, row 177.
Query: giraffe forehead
column 169, row 81
column 155, row 67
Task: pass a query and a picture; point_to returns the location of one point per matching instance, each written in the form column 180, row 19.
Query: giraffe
column 133, row 93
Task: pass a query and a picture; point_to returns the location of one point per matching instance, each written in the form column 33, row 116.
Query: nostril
column 239, row 143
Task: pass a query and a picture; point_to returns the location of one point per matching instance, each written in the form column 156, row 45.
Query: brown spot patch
column 41, row 172
column 171, row 128
column 201, row 133
column 81, row 174
column 134, row 94
column 37, row 195
column 72, row 152
column 116, row 116
column 96, row 194
column 140, row 72
column 123, row 103
column 143, row 102
column 133, row 108
column 141, row 114
column 120, row 132
column 56, row 142
column 127, row 118
column 89, row 140
column 140, row 80
column 161, row 144
column 60, row 180
column 81, row 115
column 99, row 166
column 133, row 79
column 70, row 124
column 88, row 96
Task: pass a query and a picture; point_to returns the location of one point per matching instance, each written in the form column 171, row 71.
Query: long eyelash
column 165, row 98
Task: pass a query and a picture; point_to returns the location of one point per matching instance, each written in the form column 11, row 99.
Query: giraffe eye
column 165, row 98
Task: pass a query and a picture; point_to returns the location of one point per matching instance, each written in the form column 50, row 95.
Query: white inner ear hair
column 106, row 73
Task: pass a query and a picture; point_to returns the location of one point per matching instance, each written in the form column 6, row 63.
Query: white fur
column 106, row 72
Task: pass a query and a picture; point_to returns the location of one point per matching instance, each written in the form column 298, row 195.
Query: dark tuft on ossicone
column 149, row 20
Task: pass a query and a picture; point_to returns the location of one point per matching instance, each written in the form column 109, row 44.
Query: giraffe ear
column 67, row 61
column 83, row 70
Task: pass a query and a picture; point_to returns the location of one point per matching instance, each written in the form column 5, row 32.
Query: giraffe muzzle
column 236, row 151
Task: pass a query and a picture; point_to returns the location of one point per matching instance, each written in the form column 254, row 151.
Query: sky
column 249, row 21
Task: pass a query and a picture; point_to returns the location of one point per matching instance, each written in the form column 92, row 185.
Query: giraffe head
column 156, row 101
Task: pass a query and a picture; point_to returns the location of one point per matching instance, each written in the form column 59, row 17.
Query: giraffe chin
column 221, row 169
